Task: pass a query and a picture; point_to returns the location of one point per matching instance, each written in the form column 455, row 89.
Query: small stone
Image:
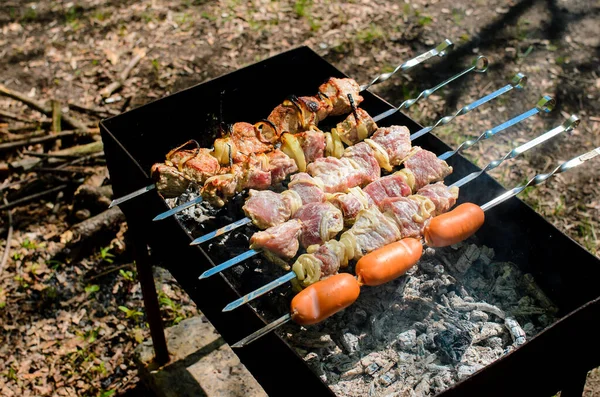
column 371, row 369
column 478, row 315
column 407, row 340
column 350, row 342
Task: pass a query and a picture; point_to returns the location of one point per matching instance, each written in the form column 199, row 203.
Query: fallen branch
column 16, row 117
column 98, row 112
column 9, row 137
column 41, row 107
column 48, row 138
column 115, row 85
column 35, row 196
column 92, row 226
column 8, row 238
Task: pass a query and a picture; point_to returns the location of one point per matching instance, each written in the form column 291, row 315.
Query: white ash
column 449, row 317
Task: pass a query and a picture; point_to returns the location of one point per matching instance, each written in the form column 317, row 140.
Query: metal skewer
column 441, row 50
column 537, row 180
column 568, row 125
column 518, row 81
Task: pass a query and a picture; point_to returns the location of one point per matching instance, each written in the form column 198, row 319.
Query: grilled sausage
column 454, row 226
column 324, row 298
column 389, row 262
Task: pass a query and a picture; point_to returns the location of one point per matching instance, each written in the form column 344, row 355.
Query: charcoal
column 468, row 256
column 464, row 371
column 452, row 345
column 478, row 315
column 350, row 342
column 407, row 340
column 516, row 332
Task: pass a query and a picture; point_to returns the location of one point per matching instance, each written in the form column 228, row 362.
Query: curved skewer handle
column 479, row 65
column 541, row 178
column 441, row 50
column 568, row 125
column 518, row 82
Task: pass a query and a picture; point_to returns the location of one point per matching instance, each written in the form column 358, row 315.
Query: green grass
column 371, row 34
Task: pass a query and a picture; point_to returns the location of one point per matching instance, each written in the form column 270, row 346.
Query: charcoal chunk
column 452, row 345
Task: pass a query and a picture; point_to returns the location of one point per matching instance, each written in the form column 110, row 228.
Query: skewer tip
column 112, row 204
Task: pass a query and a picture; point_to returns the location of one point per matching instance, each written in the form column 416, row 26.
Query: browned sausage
column 324, row 298
column 454, row 226
column 389, row 262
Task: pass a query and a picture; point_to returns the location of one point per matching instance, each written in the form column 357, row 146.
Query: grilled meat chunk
column 169, row 182
column 442, row 196
column 356, row 127
column 395, row 140
column 387, row 186
column 280, row 241
column 309, row 189
column 409, row 213
column 337, row 91
column 426, row 167
column 320, row 223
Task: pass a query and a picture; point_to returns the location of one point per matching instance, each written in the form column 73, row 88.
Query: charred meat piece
column 426, row 167
column 337, row 91
column 308, row 188
column 267, row 208
column 356, row 127
column 246, row 141
column 169, row 182
column 395, row 140
column 286, row 118
column 388, row 186
column 197, row 164
column 409, row 213
column 320, row 223
column 280, row 241
column 330, row 254
column 442, row 196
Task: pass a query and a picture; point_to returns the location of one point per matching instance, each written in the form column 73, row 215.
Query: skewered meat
column 356, row 127
column 267, row 208
column 169, row 182
column 335, row 174
column 337, row 91
column 393, row 142
column 409, row 213
column 372, row 229
column 320, row 223
column 388, row 186
column 313, row 145
column 426, row 167
column 280, row 166
column 363, row 158
column 309, row 189
column 197, row 164
column 280, row 241
column 442, row 196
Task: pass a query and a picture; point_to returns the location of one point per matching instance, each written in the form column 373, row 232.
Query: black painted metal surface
column 567, row 272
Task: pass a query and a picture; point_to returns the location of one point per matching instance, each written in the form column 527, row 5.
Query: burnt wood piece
column 135, row 140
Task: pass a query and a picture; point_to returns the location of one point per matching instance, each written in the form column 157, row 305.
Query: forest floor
column 71, row 310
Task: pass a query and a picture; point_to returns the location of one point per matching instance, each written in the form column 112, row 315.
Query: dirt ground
column 71, row 314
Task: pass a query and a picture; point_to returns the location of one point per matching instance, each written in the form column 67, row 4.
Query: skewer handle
column 541, row 178
column 518, row 82
column 480, row 65
column 568, row 125
column 546, row 104
column 178, row 209
column 131, row 195
column 220, row 231
column 261, row 291
column 227, row 264
column 441, row 50
column 263, row 331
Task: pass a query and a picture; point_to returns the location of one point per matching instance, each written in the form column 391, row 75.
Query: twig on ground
column 56, row 116
column 32, row 197
column 585, row 81
column 12, row 145
column 109, row 271
column 115, row 85
column 42, row 108
column 8, row 238
column 94, row 111
column 16, row 117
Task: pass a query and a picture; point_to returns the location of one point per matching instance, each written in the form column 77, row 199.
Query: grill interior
column 566, row 273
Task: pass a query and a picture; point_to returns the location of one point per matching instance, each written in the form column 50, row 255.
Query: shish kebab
column 441, row 50
column 423, row 168
column 313, row 144
column 518, row 82
column 392, row 218
column 327, row 297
